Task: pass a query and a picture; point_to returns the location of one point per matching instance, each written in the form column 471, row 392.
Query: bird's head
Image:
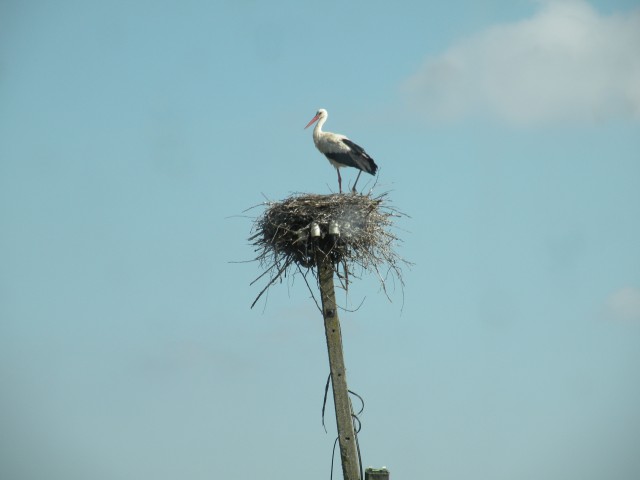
column 322, row 113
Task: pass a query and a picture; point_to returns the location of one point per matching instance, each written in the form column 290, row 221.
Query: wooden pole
column 346, row 435
column 376, row 474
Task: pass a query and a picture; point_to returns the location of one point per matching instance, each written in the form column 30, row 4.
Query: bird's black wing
column 361, row 159
column 344, row 159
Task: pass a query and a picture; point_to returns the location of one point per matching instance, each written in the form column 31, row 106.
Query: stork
column 339, row 150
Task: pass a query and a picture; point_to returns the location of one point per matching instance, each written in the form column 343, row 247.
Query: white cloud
column 567, row 62
column 625, row 304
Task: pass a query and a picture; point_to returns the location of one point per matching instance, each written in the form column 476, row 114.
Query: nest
column 350, row 230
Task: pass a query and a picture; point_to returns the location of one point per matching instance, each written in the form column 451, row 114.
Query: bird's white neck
column 317, row 131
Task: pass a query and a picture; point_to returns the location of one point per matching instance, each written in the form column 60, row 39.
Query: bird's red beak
column 312, row 120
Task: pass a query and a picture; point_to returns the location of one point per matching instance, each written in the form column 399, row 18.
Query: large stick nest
column 350, row 230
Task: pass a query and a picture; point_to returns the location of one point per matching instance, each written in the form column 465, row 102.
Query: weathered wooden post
column 329, row 233
column 376, row 474
column 346, row 434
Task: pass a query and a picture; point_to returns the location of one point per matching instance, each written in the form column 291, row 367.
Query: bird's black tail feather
column 361, row 158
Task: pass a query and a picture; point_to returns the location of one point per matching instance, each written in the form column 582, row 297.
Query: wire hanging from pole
column 357, row 425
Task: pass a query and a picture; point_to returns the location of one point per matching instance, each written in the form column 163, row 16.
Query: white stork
column 339, row 150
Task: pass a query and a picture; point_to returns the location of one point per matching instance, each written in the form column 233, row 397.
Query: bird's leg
column 339, row 180
column 354, row 185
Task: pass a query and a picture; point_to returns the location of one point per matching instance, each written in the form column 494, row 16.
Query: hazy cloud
column 567, row 62
column 625, row 304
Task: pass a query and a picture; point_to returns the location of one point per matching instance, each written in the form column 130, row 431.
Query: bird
column 339, row 150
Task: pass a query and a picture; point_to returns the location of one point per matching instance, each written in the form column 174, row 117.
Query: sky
column 136, row 136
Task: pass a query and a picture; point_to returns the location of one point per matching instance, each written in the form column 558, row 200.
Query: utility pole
column 346, row 434
column 325, row 232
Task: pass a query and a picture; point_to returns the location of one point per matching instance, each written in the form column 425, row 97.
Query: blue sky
column 133, row 136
